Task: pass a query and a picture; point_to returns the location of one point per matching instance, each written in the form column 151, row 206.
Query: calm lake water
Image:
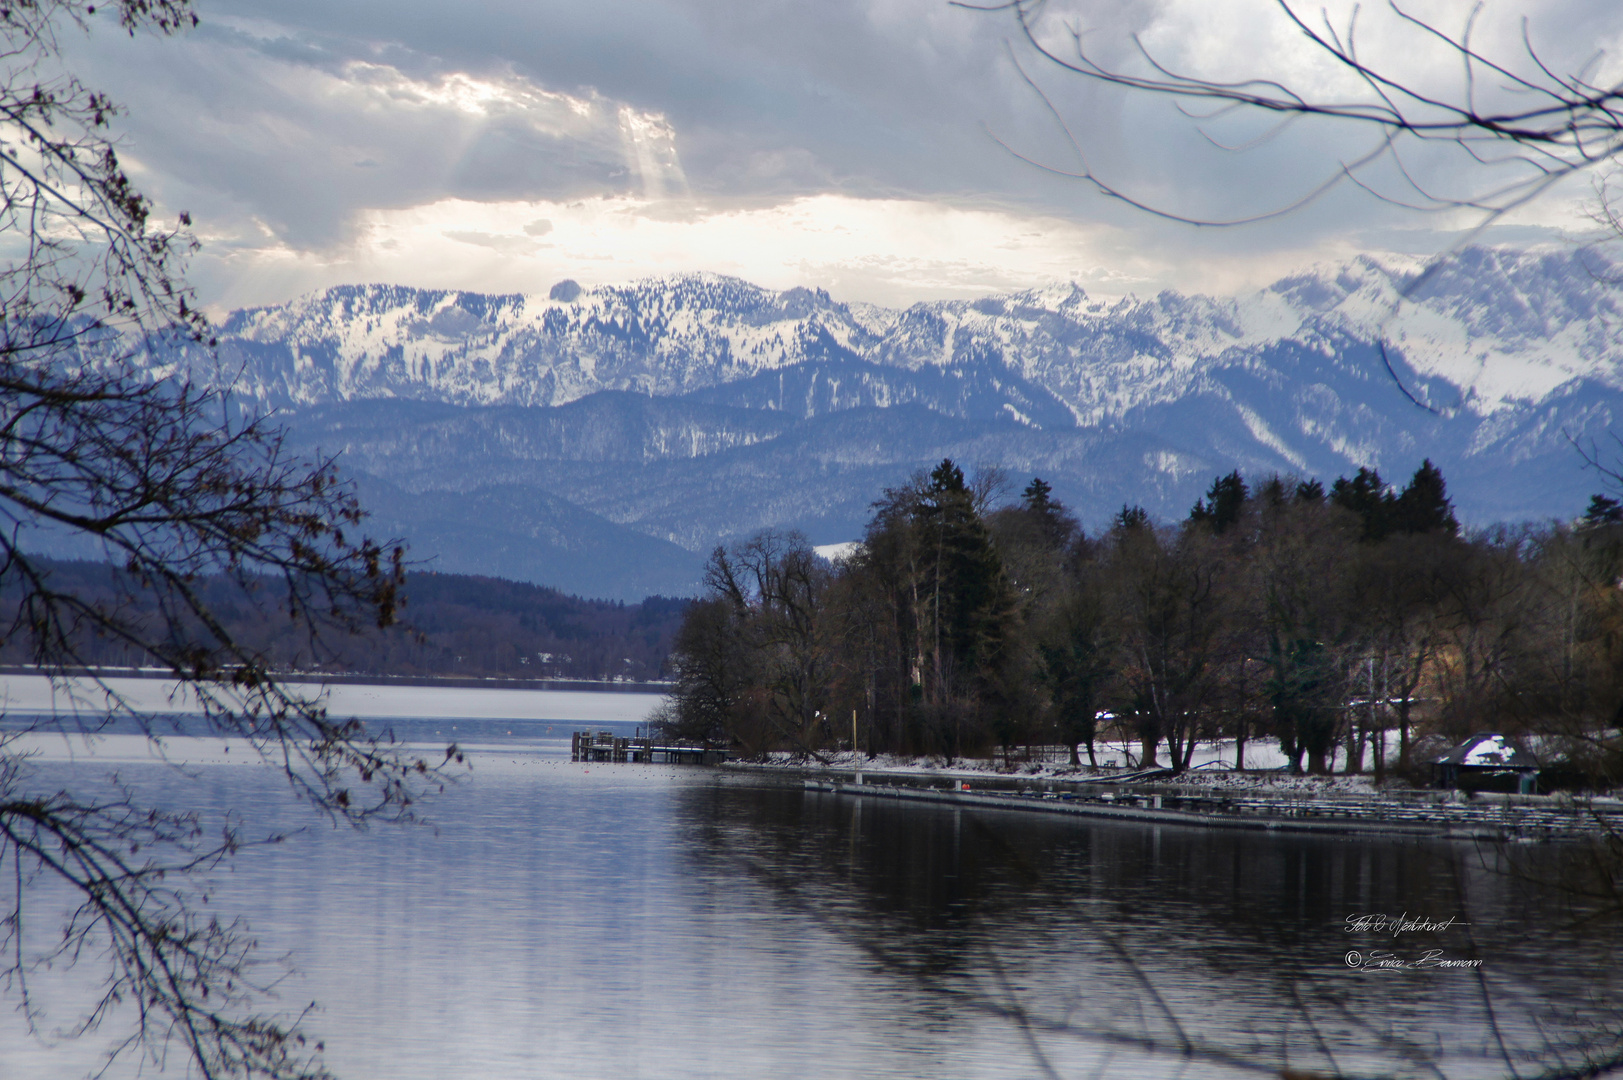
column 565, row 920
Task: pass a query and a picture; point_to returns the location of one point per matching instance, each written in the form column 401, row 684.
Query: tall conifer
column 1424, row 507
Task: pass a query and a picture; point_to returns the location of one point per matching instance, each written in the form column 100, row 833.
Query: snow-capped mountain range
column 677, row 412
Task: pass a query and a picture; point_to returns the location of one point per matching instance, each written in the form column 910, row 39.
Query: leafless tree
column 1520, row 122
column 175, row 490
column 1516, row 111
column 777, row 589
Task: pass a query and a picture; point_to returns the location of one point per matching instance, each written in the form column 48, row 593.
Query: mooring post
column 856, row 759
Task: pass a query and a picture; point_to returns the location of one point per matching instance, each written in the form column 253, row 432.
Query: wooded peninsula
column 1278, row 609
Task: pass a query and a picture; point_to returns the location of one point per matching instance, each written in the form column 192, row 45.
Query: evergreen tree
column 1423, row 507
column 1037, row 496
column 1051, row 521
column 1223, row 505
column 973, row 605
column 1130, row 519
column 955, row 613
column 1273, row 492
column 1367, row 496
column 1602, row 511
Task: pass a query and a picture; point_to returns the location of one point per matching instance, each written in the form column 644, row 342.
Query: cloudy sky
column 886, row 150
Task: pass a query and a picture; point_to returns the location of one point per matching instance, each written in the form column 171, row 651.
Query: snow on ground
column 1212, row 765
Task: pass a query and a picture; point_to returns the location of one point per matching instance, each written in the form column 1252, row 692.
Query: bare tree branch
column 1542, row 126
column 184, row 498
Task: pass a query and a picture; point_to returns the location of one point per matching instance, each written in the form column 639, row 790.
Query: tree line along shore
column 1336, row 621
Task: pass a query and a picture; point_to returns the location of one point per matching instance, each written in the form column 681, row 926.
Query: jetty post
column 856, row 756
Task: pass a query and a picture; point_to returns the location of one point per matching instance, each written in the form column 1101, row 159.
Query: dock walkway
column 1476, row 820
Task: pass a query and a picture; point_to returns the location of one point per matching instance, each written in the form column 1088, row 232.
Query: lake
column 570, row 920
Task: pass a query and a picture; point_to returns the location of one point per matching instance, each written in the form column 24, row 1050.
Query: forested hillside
column 451, row 626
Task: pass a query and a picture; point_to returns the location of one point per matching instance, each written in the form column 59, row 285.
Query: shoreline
column 1514, row 818
column 316, row 678
column 1215, row 800
column 988, row 772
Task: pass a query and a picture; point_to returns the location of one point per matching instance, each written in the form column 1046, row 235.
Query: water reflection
column 1100, row 937
column 577, row 921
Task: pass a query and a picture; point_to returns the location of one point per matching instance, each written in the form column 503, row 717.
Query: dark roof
column 1488, row 750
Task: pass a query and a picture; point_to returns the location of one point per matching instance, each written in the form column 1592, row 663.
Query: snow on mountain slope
column 695, row 409
column 1499, row 328
column 657, row 337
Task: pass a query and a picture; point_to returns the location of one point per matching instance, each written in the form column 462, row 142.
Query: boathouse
column 1486, row 762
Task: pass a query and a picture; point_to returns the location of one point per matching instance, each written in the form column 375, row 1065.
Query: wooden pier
column 607, row 747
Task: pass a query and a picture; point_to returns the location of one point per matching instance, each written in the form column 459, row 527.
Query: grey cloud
column 794, row 99
column 766, row 99
column 301, row 139
column 507, row 245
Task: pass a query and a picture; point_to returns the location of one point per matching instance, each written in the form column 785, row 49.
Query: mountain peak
column 1487, row 329
column 698, row 407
